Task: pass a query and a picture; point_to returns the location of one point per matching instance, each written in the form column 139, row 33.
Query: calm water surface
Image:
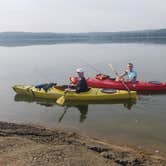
column 141, row 124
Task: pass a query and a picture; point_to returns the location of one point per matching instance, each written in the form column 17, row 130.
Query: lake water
column 141, row 124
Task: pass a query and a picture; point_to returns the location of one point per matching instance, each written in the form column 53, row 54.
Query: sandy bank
column 33, row 145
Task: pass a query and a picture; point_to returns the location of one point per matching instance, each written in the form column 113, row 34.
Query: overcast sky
column 81, row 15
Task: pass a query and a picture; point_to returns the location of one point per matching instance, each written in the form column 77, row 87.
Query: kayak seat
column 155, row 82
column 83, row 91
column 108, row 90
column 102, row 76
column 68, row 86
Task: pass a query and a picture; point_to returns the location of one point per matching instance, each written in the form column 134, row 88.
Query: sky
column 81, row 15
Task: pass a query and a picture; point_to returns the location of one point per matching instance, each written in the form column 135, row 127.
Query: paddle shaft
column 91, row 66
column 118, row 76
column 61, row 117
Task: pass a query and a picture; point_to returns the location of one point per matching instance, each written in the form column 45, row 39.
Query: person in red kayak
column 82, row 84
column 130, row 73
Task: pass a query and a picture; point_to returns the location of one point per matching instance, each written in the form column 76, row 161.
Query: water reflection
column 31, row 99
column 82, row 107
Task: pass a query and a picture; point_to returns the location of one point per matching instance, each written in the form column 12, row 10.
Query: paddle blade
column 60, row 100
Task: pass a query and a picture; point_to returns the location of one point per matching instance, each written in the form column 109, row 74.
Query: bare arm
column 133, row 79
column 122, row 75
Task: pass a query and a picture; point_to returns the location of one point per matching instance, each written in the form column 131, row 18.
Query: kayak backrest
column 108, row 90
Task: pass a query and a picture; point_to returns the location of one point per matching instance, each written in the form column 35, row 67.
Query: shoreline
column 24, row 144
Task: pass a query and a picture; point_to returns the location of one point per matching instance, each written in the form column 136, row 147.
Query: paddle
column 91, row 66
column 61, row 100
column 124, row 84
column 61, row 117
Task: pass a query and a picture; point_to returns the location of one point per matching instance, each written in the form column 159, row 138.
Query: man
column 82, row 84
column 130, row 73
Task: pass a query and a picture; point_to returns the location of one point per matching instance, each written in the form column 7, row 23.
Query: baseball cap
column 79, row 70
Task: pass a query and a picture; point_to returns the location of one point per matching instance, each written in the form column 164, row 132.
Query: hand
column 119, row 78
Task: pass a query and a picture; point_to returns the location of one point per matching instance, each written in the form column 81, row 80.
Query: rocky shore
column 35, row 145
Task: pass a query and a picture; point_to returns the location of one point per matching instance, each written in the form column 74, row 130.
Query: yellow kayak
column 94, row 94
column 51, row 93
column 98, row 94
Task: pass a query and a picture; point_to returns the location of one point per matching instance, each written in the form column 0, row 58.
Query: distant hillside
column 29, row 38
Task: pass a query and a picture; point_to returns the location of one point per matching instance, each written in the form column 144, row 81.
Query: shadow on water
column 82, row 107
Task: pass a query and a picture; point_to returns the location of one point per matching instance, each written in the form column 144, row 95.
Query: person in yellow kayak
column 82, row 84
column 130, row 73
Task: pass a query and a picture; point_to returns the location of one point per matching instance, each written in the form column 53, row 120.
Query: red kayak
column 104, row 81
